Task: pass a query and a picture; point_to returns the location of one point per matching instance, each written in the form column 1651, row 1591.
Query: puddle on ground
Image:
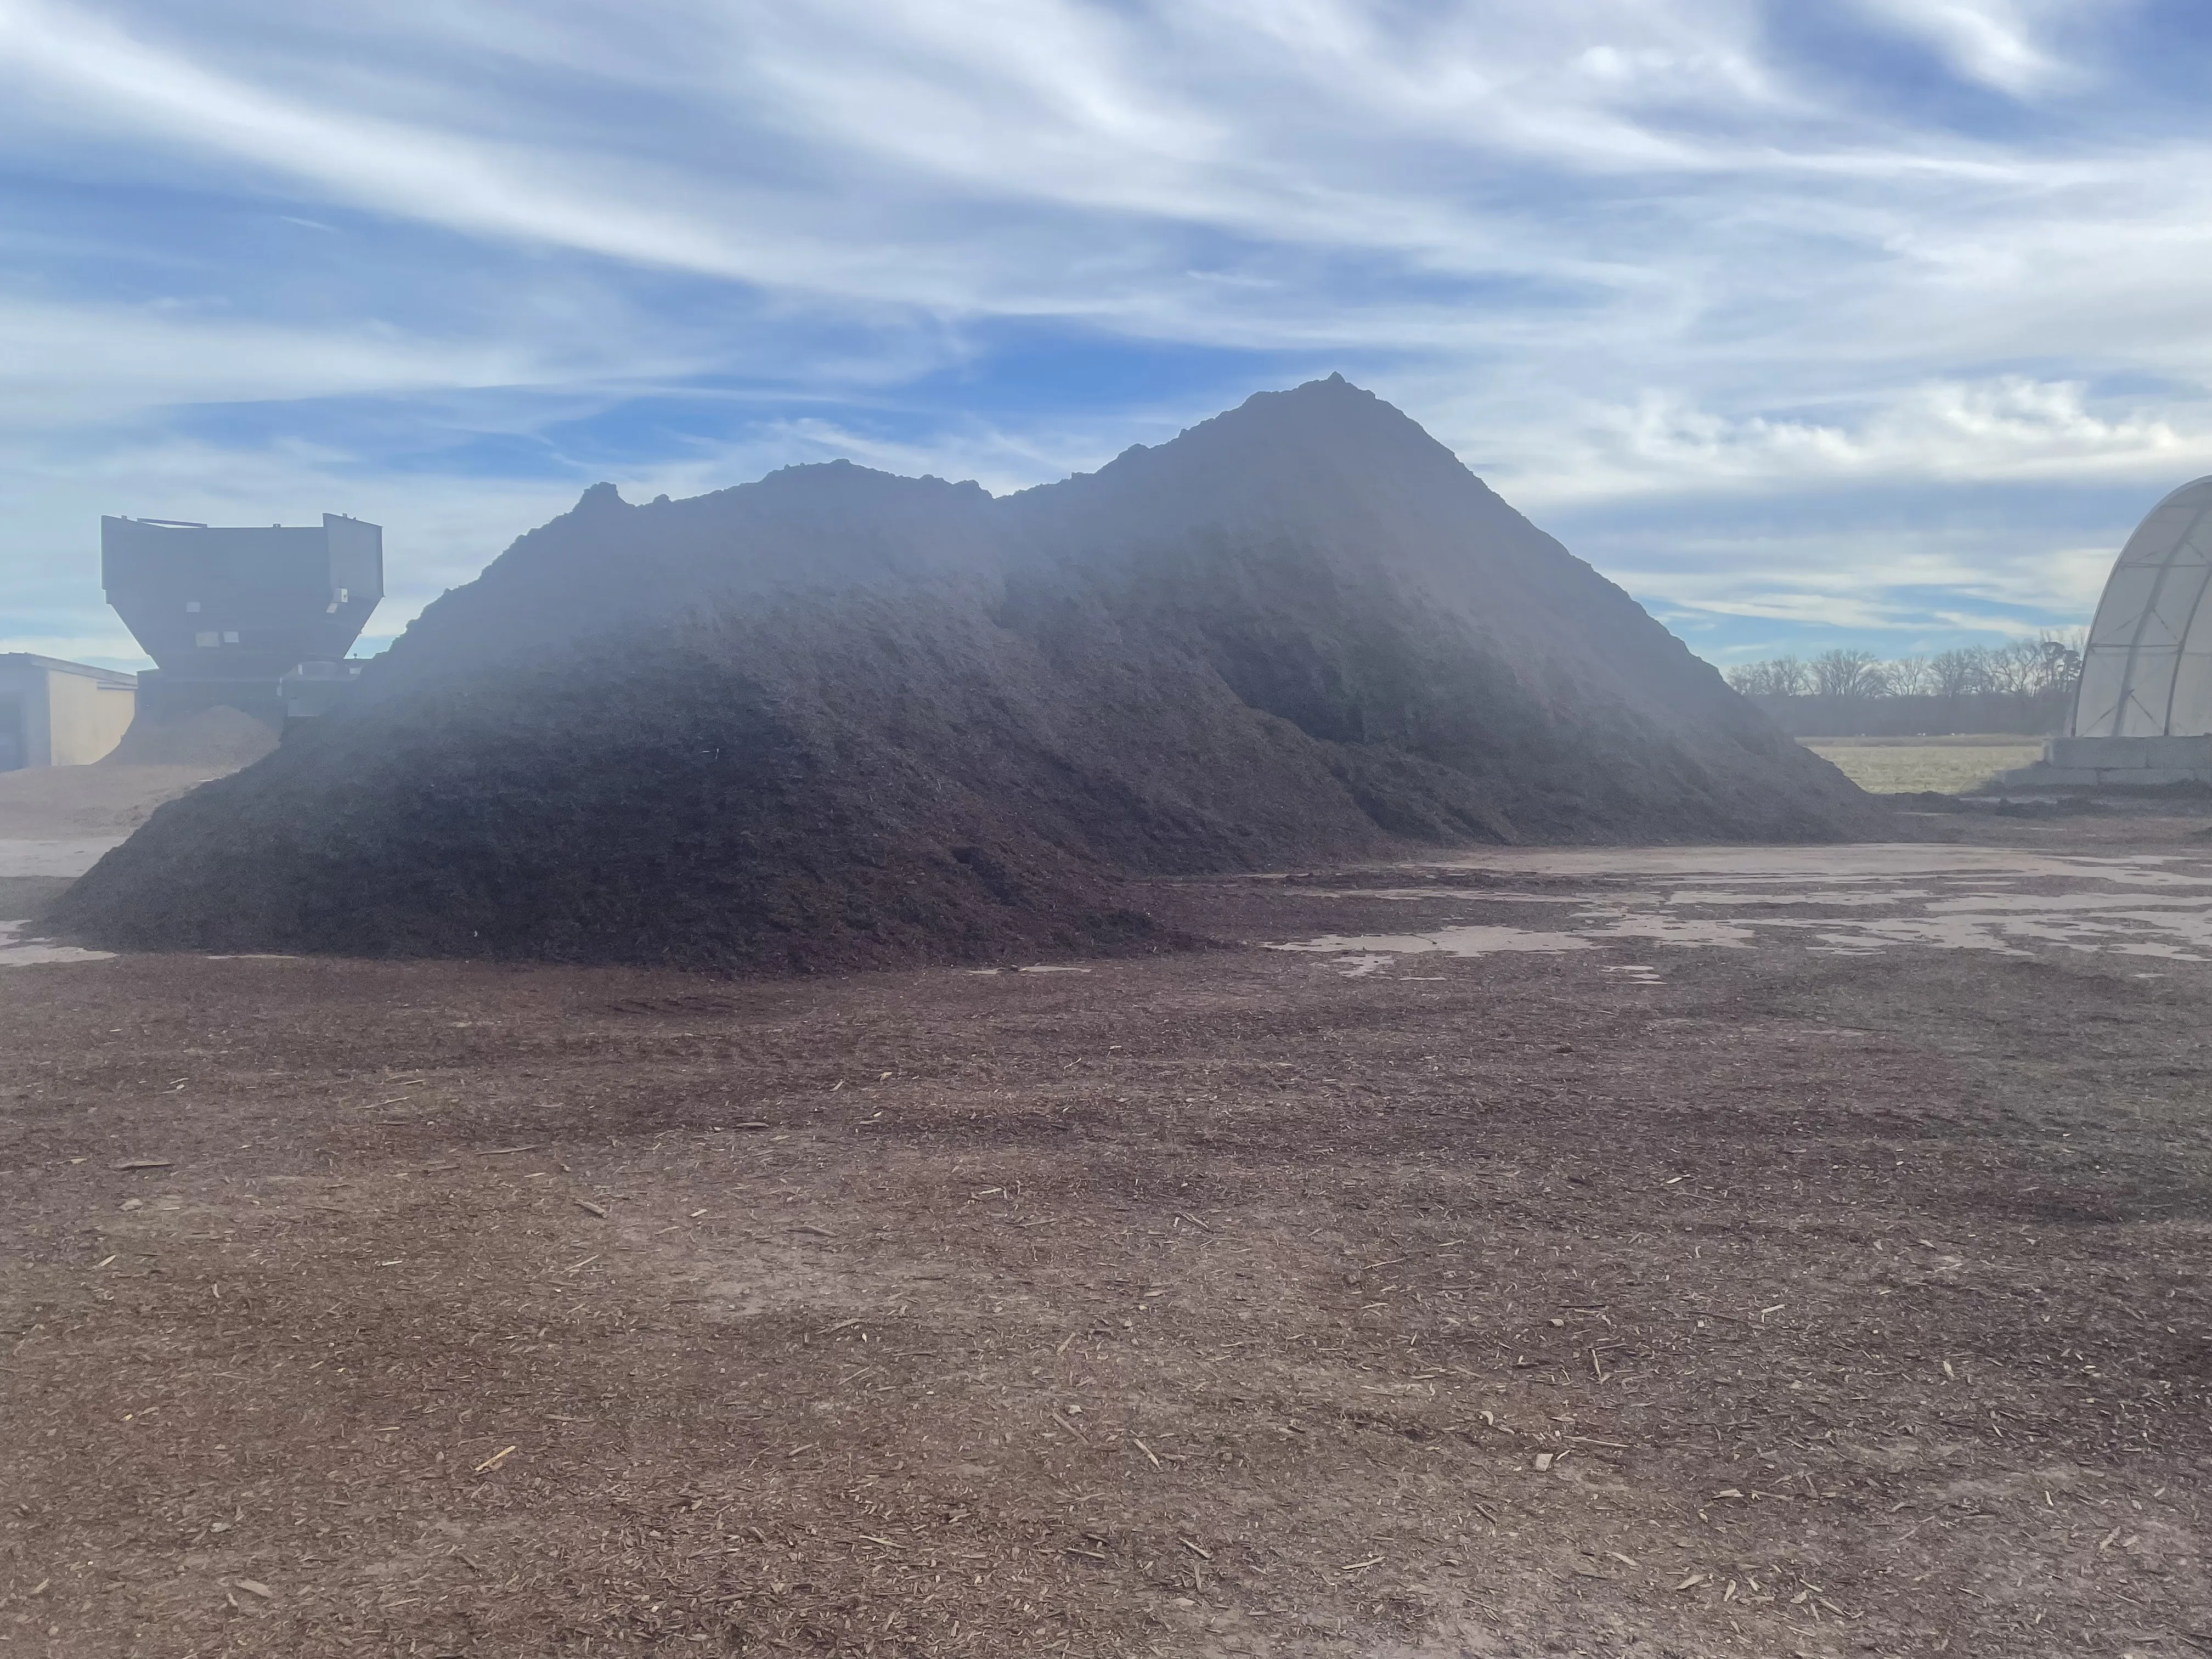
column 1941, row 897
column 2049, row 903
column 1662, row 929
column 1487, row 895
column 1452, row 941
column 1833, row 895
column 1829, row 866
column 16, row 951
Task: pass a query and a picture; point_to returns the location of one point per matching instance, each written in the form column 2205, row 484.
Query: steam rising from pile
column 840, row 718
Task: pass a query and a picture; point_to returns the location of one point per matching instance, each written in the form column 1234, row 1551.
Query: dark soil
column 1194, row 1304
column 839, row 719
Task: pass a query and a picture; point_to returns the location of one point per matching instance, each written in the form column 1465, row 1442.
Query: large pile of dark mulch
column 839, row 719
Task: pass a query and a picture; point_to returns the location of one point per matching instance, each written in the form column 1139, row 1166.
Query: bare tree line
column 2023, row 686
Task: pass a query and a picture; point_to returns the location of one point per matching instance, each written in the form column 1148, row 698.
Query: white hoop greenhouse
column 2147, row 669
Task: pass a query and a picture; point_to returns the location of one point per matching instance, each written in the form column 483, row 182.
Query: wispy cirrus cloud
column 2014, row 45
column 2011, row 427
column 1882, row 317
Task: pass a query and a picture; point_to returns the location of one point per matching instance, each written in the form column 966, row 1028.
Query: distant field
column 1950, row 766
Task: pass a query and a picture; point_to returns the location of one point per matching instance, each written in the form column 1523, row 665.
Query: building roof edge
column 56, row 665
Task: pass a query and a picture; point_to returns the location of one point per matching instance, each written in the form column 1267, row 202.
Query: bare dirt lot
column 1670, row 1253
column 64, row 802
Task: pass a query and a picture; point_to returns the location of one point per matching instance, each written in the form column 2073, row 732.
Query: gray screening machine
column 257, row 619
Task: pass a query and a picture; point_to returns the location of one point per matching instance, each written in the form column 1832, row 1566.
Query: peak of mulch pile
column 836, row 718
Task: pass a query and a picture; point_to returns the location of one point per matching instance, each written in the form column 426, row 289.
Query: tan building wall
column 85, row 718
column 59, row 713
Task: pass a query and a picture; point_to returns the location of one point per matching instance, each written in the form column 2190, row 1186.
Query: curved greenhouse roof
column 2147, row 672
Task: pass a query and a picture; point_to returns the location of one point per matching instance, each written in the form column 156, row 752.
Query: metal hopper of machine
column 258, row 619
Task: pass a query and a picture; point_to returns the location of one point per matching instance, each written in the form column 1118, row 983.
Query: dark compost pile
column 839, row 719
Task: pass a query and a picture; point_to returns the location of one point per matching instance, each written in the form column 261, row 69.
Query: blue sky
column 1817, row 322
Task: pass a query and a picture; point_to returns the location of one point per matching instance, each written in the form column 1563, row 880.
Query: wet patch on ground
column 1863, row 900
column 17, row 951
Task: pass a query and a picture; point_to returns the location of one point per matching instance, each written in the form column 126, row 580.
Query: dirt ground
column 60, row 802
column 1807, row 1259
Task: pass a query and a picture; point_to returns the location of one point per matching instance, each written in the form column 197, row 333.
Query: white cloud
column 102, row 72
column 72, row 363
column 2004, row 44
column 2010, row 427
column 1626, row 255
